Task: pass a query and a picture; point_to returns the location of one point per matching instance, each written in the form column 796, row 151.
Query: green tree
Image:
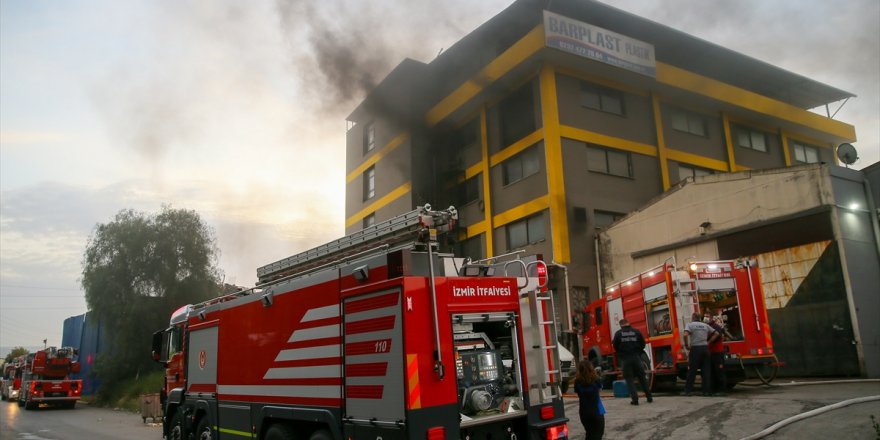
column 16, row 352
column 138, row 269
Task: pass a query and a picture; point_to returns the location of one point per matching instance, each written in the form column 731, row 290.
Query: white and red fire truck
column 660, row 302
column 45, row 378
column 376, row 335
column 11, row 379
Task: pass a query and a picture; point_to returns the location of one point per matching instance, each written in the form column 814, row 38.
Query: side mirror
column 158, row 339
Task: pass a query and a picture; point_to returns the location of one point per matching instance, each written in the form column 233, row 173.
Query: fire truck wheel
column 321, row 434
column 20, row 401
column 204, row 432
column 280, row 431
column 176, row 430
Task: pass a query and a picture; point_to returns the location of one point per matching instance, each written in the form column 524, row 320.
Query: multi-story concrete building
column 554, row 119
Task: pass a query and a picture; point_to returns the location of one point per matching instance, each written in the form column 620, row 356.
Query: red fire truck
column 45, row 378
column 376, row 335
column 11, row 379
column 661, row 301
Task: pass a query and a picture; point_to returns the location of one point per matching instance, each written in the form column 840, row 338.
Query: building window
column 805, row 153
column 521, row 166
column 616, row 163
column 603, row 219
column 472, row 248
column 369, row 220
column 369, row 137
column 469, row 135
column 370, row 183
column 470, row 190
column 517, row 114
column 525, row 232
column 753, row 139
column 602, row 98
column 685, row 171
column 688, row 122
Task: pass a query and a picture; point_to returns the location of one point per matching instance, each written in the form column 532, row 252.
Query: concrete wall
column 725, row 201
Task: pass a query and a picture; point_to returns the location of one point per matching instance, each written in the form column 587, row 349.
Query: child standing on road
column 587, row 385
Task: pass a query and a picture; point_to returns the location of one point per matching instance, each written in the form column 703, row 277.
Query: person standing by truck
column 629, row 345
column 696, row 340
column 716, row 354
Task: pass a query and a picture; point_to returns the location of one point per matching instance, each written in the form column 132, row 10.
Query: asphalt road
column 742, row 413
column 81, row 423
column 745, row 411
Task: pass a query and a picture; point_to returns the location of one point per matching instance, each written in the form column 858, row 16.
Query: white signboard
column 598, row 44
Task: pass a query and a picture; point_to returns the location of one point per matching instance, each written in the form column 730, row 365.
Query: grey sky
column 237, row 110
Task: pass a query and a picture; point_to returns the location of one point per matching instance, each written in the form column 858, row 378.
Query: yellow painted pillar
column 784, row 139
column 728, row 141
column 553, row 158
column 487, row 183
column 661, row 142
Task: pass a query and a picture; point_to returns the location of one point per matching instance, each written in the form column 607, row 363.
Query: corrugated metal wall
column 808, row 310
column 85, row 335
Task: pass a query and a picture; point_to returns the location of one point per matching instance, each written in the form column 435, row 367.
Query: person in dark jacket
column 587, row 385
column 629, row 345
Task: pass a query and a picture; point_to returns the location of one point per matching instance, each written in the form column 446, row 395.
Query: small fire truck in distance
column 376, row 335
column 45, row 378
column 11, row 379
column 660, row 303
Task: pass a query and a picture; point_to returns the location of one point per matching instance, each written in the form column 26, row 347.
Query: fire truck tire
column 321, row 434
column 175, row 432
column 20, row 401
column 31, row 405
column 280, row 431
column 204, row 432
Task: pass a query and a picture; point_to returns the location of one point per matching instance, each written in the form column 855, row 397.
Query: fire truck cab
column 45, row 378
column 370, row 336
column 11, row 379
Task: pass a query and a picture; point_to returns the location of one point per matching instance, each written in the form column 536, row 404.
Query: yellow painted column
column 784, row 139
column 661, row 142
column 553, row 157
column 487, row 183
column 728, row 140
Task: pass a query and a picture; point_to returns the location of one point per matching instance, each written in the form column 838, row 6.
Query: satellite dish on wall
column 847, row 154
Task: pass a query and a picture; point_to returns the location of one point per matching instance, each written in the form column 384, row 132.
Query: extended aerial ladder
column 420, row 226
column 391, row 234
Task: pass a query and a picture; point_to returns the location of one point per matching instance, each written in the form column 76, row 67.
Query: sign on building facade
column 598, row 44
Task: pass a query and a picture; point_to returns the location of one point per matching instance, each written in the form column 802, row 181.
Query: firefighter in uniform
column 629, row 345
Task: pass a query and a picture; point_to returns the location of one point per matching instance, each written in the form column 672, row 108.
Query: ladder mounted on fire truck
column 396, row 233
